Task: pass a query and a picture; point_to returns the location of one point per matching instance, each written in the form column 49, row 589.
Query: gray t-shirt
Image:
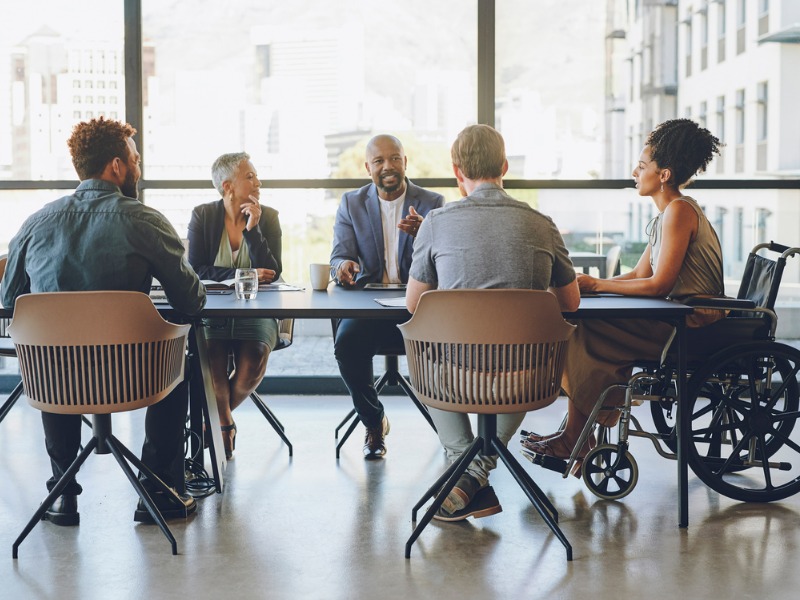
column 490, row 240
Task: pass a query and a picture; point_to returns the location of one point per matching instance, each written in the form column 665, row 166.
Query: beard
column 129, row 187
column 388, row 189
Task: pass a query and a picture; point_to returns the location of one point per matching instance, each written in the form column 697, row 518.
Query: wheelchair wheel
column 744, row 405
column 604, row 477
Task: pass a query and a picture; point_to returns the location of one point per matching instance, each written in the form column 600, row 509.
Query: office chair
column 391, row 376
column 285, row 338
column 462, row 360
column 98, row 353
column 613, row 261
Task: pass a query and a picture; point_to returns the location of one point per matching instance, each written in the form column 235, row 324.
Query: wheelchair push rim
column 744, row 442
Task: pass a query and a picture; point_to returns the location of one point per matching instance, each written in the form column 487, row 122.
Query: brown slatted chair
column 487, row 352
column 97, row 353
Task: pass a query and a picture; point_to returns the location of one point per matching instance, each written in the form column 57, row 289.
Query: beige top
column 701, row 273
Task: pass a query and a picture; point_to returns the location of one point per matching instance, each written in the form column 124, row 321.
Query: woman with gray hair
column 236, row 232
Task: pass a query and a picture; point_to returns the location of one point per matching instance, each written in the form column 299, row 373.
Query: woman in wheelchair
column 682, row 259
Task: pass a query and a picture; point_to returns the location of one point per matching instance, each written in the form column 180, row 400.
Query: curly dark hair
column 93, row 144
column 682, row 146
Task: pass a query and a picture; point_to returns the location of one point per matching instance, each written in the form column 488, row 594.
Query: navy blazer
column 205, row 232
column 358, row 233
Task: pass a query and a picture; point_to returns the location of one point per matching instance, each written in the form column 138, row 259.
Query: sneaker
column 483, row 504
column 167, row 506
column 461, row 494
column 374, row 444
column 64, row 511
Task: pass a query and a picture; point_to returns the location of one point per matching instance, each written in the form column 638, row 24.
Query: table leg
column 684, row 426
column 201, row 389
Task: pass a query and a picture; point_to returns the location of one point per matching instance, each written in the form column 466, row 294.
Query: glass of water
column 246, row 284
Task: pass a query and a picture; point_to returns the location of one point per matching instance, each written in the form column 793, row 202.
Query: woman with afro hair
column 682, row 259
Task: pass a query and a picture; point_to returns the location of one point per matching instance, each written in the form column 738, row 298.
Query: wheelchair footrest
column 551, row 463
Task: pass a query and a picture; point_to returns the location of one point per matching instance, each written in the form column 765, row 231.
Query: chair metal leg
column 347, row 433
column 266, row 410
column 537, row 497
column 271, row 419
column 55, row 493
column 452, row 474
column 11, row 401
column 410, row 393
column 349, row 416
column 120, row 453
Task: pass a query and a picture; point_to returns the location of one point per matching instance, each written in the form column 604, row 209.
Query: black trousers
column 162, row 451
column 357, row 342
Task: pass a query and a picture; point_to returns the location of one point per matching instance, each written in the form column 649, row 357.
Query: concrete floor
column 313, row 527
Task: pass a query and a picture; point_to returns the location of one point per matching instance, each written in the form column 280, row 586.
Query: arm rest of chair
column 721, row 303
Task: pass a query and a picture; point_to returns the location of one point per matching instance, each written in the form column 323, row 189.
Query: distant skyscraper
column 54, row 83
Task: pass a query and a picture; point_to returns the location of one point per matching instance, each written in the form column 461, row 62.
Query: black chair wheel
column 607, row 474
column 744, row 405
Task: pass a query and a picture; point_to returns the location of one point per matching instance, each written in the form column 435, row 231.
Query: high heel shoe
column 229, row 441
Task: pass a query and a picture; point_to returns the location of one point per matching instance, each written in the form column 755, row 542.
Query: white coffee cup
column 246, row 284
column 320, row 275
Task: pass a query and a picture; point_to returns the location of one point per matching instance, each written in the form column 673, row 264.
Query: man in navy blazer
column 373, row 239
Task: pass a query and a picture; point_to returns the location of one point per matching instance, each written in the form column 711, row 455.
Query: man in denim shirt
column 102, row 238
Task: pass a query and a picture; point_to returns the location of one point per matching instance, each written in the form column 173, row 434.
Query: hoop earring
column 662, row 187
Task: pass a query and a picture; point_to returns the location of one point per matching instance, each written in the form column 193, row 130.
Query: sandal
column 557, row 448
column 532, row 437
column 229, row 440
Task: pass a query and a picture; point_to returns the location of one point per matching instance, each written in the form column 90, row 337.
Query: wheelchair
column 742, row 395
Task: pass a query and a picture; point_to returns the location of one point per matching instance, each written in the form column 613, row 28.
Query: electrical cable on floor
column 198, row 483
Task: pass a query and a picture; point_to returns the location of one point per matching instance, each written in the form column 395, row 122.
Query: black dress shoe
column 64, row 511
column 167, row 506
column 374, row 444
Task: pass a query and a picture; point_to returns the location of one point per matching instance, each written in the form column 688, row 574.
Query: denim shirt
column 98, row 239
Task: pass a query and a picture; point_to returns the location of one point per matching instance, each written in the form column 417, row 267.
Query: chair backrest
column 761, row 278
column 612, row 261
column 96, row 352
column 285, row 333
column 486, row 351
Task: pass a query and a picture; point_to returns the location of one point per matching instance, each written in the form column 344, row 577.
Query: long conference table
column 337, row 302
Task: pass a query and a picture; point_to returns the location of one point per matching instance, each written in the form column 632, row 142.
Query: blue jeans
column 356, row 344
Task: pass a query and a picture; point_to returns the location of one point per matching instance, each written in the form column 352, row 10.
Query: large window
column 52, row 57
column 721, row 29
column 300, row 84
column 550, row 88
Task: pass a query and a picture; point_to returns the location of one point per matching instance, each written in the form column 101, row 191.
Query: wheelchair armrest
column 721, row 303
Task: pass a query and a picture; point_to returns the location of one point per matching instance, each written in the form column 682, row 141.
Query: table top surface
column 337, row 302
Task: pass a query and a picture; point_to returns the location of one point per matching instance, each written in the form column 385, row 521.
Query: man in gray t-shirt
column 486, row 240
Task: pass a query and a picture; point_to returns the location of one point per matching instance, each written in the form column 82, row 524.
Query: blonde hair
column 479, row 151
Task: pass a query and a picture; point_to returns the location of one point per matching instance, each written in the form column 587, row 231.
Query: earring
column 662, row 187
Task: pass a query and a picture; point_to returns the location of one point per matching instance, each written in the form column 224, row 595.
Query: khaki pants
column 602, row 352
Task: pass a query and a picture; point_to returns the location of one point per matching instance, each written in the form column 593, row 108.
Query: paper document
column 398, row 302
column 279, row 287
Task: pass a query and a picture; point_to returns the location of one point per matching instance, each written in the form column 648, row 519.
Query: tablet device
column 385, row 286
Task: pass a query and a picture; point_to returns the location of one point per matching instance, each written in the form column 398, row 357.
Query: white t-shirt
column 391, row 214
